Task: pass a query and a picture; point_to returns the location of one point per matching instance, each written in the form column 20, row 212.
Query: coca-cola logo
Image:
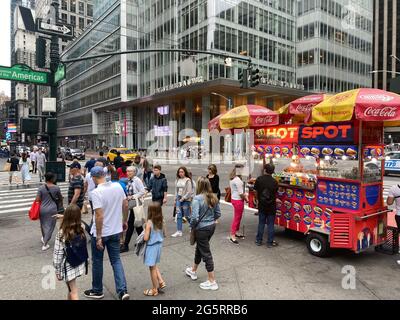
column 304, row 108
column 264, row 120
column 384, row 112
column 312, row 98
column 377, row 97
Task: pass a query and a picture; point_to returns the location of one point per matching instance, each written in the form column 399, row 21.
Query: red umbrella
column 214, row 123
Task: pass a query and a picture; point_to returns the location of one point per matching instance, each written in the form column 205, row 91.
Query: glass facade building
column 334, row 48
column 116, row 100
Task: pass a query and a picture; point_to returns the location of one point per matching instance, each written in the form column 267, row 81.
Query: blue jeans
column 270, row 221
column 111, row 243
column 182, row 210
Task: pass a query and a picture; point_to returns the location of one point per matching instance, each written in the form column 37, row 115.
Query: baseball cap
column 97, row 172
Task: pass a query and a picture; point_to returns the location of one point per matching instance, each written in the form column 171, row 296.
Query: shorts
column 11, row 173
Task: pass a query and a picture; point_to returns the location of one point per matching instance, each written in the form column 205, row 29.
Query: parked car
column 392, row 162
column 70, row 154
column 126, row 154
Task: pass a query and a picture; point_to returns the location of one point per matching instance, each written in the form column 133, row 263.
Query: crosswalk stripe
column 24, row 191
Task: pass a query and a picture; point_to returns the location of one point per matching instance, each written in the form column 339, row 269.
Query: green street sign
column 23, row 73
column 59, row 75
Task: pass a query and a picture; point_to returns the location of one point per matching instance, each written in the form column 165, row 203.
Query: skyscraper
column 292, row 43
column 386, row 42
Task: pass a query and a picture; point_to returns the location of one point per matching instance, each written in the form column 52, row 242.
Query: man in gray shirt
column 41, row 164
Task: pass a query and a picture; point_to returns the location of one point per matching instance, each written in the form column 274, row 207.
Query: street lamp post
column 119, row 120
column 229, row 100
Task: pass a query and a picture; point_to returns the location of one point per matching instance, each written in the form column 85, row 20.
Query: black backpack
column 76, row 252
column 266, row 197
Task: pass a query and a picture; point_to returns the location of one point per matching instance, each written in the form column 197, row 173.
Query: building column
column 376, row 62
column 394, row 39
column 205, row 111
column 385, row 44
column 188, row 114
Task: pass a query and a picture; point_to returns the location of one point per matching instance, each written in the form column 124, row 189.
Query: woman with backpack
column 206, row 212
column 183, row 198
column 70, row 251
column 51, row 199
column 239, row 196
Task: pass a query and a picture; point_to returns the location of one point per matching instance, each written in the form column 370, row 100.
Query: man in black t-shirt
column 266, row 188
column 14, row 161
column 76, row 186
column 118, row 160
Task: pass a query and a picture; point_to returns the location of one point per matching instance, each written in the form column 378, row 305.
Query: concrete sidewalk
column 243, row 272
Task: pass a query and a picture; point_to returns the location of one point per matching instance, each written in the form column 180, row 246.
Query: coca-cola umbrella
column 365, row 104
column 248, row 116
column 303, row 106
column 214, row 123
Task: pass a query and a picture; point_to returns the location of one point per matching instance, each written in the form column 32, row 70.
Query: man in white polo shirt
column 111, row 214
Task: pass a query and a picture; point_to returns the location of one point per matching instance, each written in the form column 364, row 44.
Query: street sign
column 59, row 29
column 59, row 75
column 23, row 73
column 49, row 105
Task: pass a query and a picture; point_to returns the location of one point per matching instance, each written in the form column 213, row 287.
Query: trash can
column 58, row 168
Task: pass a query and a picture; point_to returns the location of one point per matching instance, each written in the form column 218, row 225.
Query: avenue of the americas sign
column 23, row 73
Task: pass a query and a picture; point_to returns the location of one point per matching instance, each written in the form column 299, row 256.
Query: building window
column 81, row 23
column 73, row 6
column 89, row 10
column 64, row 5
column 81, row 8
column 73, row 20
column 64, row 18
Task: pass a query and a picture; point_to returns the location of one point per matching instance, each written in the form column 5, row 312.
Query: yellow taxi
column 126, row 154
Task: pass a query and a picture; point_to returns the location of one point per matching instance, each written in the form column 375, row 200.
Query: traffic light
column 41, row 53
column 29, row 125
column 255, row 78
column 244, row 78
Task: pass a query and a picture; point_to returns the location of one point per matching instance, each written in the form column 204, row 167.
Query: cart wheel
column 318, row 245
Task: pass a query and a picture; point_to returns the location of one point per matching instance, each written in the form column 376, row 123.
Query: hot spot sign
column 341, row 132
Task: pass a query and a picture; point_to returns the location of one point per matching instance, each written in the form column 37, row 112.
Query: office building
column 132, row 99
column 386, row 74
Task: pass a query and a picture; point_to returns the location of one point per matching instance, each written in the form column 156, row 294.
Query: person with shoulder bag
column 206, row 212
column 183, row 199
column 135, row 190
column 50, row 197
column 70, row 258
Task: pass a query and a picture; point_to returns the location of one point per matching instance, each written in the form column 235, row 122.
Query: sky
column 5, row 42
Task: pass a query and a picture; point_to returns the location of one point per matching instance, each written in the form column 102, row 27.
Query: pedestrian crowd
column 27, row 164
column 116, row 193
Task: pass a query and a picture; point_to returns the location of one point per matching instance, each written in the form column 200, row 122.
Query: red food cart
column 330, row 173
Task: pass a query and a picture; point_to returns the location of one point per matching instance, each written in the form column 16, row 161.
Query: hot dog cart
column 330, row 173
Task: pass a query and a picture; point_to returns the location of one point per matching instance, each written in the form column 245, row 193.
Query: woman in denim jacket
column 205, row 215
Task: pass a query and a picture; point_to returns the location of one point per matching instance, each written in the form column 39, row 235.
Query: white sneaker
column 41, row 239
column 177, row 234
column 190, row 273
column 398, row 262
column 209, row 285
column 46, row 247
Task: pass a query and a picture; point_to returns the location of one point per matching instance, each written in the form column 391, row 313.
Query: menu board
column 338, row 194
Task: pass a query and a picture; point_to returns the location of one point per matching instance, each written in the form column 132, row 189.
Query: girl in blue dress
column 154, row 234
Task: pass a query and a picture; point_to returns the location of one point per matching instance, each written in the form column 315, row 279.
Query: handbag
column 193, row 230
column 140, row 217
column 34, row 212
column 7, row 166
column 228, row 194
column 60, row 206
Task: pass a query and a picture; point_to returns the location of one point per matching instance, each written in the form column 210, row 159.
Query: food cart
column 330, row 172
